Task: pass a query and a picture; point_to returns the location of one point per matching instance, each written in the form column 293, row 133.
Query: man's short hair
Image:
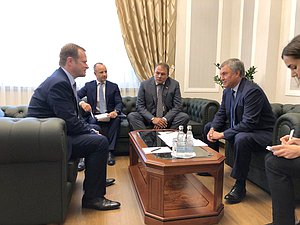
column 235, row 65
column 69, row 50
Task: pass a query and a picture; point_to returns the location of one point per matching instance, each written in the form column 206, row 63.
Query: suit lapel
column 239, row 92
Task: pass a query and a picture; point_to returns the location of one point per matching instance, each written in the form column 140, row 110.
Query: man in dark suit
column 158, row 112
column 251, row 121
column 113, row 106
column 56, row 97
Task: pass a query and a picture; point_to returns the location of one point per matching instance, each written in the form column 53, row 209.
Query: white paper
column 103, row 117
column 151, row 150
column 168, row 137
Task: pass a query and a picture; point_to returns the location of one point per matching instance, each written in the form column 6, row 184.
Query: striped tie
column 232, row 103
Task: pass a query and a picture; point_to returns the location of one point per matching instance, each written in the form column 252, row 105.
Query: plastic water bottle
column 189, row 141
column 189, row 137
column 181, row 141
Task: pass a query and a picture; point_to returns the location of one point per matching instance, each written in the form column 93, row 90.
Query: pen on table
column 153, row 150
column 291, row 134
column 92, row 114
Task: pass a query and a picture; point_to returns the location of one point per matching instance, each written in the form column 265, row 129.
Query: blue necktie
column 232, row 103
column 75, row 94
column 102, row 99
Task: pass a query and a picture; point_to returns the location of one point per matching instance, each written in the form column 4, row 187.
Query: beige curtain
column 149, row 32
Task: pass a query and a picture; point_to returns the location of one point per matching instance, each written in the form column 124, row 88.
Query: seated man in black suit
column 158, row 103
column 103, row 91
column 57, row 97
column 251, row 121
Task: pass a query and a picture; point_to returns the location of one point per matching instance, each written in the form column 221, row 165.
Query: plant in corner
column 248, row 74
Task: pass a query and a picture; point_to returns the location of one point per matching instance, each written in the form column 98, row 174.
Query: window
column 33, row 32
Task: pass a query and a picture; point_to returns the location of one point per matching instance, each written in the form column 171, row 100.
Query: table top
column 148, row 139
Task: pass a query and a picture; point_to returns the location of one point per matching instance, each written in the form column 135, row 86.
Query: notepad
column 103, row 117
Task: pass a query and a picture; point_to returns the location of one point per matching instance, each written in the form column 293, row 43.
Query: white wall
column 253, row 30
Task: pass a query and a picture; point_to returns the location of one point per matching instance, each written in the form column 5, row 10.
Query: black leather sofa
column 287, row 118
column 36, row 181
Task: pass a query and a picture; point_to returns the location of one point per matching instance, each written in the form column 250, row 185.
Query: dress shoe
column 100, row 204
column 273, row 224
column 81, row 165
column 204, row 174
column 110, row 181
column 111, row 159
column 235, row 195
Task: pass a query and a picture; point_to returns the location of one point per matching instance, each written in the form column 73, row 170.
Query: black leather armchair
column 36, row 181
column 288, row 118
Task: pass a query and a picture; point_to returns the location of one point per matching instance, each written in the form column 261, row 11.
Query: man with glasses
column 158, row 103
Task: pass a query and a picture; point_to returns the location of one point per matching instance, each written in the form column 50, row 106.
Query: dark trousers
column 109, row 129
column 280, row 172
column 243, row 144
column 138, row 122
column 94, row 148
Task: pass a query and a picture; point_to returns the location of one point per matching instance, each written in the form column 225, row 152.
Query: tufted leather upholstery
column 288, row 118
column 35, row 182
column 200, row 111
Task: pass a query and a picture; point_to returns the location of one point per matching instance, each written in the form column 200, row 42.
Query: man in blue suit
column 56, row 97
column 248, row 111
column 113, row 106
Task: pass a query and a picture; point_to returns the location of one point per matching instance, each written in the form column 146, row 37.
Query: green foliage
column 248, row 74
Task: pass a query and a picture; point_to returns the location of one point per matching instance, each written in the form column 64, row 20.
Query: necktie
column 160, row 105
column 232, row 103
column 102, row 99
column 75, row 94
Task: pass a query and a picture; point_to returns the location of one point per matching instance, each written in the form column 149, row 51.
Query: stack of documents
column 168, row 136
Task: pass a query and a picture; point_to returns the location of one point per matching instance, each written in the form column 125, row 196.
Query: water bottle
column 181, row 141
column 189, row 140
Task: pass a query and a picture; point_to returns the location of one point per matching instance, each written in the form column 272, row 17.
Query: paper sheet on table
column 102, row 117
column 167, row 137
column 149, row 150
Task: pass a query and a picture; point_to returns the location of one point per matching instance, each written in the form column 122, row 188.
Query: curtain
column 149, row 33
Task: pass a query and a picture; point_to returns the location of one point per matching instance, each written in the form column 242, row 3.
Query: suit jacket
column 55, row 98
column 147, row 99
column 112, row 95
column 252, row 110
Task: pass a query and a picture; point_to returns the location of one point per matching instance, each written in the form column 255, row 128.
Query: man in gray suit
column 155, row 110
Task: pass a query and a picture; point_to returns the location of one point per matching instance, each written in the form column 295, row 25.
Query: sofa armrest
column 33, row 157
column 32, row 140
column 284, row 124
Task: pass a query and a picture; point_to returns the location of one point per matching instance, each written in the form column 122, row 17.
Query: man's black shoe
column 100, row 204
column 204, row 174
column 235, row 195
column 81, row 165
column 111, row 159
column 110, row 181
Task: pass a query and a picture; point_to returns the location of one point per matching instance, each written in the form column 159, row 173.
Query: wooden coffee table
column 169, row 192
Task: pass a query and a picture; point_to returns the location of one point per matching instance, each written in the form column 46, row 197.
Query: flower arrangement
column 248, row 74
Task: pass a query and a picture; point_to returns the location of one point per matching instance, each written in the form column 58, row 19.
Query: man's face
column 293, row 65
column 160, row 74
column 80, row 66
column 100, row 73
column 229, row 78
